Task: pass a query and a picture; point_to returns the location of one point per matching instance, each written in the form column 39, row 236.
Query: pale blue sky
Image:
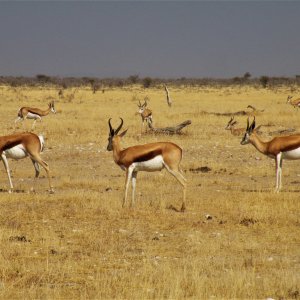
column 157, row 39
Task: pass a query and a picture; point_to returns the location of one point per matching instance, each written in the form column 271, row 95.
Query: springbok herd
column 148, row 157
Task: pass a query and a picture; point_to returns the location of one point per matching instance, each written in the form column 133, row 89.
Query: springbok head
column 231, row 123
column 142, row 107
column 113, row 134
column 249, row 130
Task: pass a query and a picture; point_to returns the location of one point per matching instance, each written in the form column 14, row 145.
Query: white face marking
column 33, row 116
column 17, row 152
column 141, row 110
column 293, row 154
column 154, row 164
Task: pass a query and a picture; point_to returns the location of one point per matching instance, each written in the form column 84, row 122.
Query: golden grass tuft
column 79, row 243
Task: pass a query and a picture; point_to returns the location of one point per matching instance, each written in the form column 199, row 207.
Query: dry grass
column 79, row 243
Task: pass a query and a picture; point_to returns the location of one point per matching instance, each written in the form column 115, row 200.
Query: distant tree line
column 97, row 84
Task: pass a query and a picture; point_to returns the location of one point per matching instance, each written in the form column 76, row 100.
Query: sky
column 166, row 39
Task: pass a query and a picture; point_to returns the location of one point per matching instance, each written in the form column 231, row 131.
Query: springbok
column 295, row 102
column 279, row 148
column 169, row 100
column 231, row 126
column 145, row 113
column 34, row 113
column 21, row 145
column 149, row 157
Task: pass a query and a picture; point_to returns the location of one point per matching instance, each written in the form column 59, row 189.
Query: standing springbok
column 149, row 157
column 34, row 113
column 169, row 100
column 279, row 148
column 145, row 113
column 231, row 126
column 21, row 145
column 295, row 102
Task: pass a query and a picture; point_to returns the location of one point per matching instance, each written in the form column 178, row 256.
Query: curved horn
column 110, row 127
column 120, row 126
column 247, row 124
column 253, row 124
column 140, row 103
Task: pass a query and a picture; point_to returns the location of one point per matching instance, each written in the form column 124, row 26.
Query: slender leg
column 18, row 119
column 177, row 174
column 4, row 160
column 128, row 178
column 278, row 161
column 280, row 172
column 133, row 182
column 33, row 124
column 36, row 167
column 38, row 159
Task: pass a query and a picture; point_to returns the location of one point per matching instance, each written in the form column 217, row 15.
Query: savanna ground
column 80, row 244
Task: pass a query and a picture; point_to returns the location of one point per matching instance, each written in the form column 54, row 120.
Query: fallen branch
column 237, row 113
column 170, row 130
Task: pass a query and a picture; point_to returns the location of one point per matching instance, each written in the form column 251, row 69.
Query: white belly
column 17, row 152
column 154, row 164
column 293, row 154
column 33, row 116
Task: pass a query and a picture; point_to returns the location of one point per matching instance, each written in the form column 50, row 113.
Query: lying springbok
column 279, row 148
column 295, row 102
column 149, row 157
column 145, row 113
column 21, row 145
column 34, row 113
column 231, row 126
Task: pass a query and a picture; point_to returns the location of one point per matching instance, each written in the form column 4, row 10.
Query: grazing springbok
column 21, row 145
column 34, row 113
column 145, row 113
column 149, row 157
column 231, row 126
column 279, row 148
column 295, row 102
column 169, row 100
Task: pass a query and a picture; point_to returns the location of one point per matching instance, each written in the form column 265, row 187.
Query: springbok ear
column 234, row 122
column 123, row 133
column 247, row 124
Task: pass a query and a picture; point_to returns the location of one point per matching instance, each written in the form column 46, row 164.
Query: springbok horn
column 110, row 127
column 247, row 124
column 140, row 103
column 253, row 124
column 120, row 126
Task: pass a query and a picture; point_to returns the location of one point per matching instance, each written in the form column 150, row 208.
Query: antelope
column 145, row 113
column 34, row 113
column 149, row 157
column 21, row 145
column 295, row 102
column 169, row 101
column 279, row 148
column 231, row 126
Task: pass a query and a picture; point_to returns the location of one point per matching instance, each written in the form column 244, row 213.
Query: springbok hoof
column 51, row 191
column 10, row 191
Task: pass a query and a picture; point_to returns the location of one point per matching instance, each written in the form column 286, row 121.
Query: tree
column 147, row 81
column 264, row 81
